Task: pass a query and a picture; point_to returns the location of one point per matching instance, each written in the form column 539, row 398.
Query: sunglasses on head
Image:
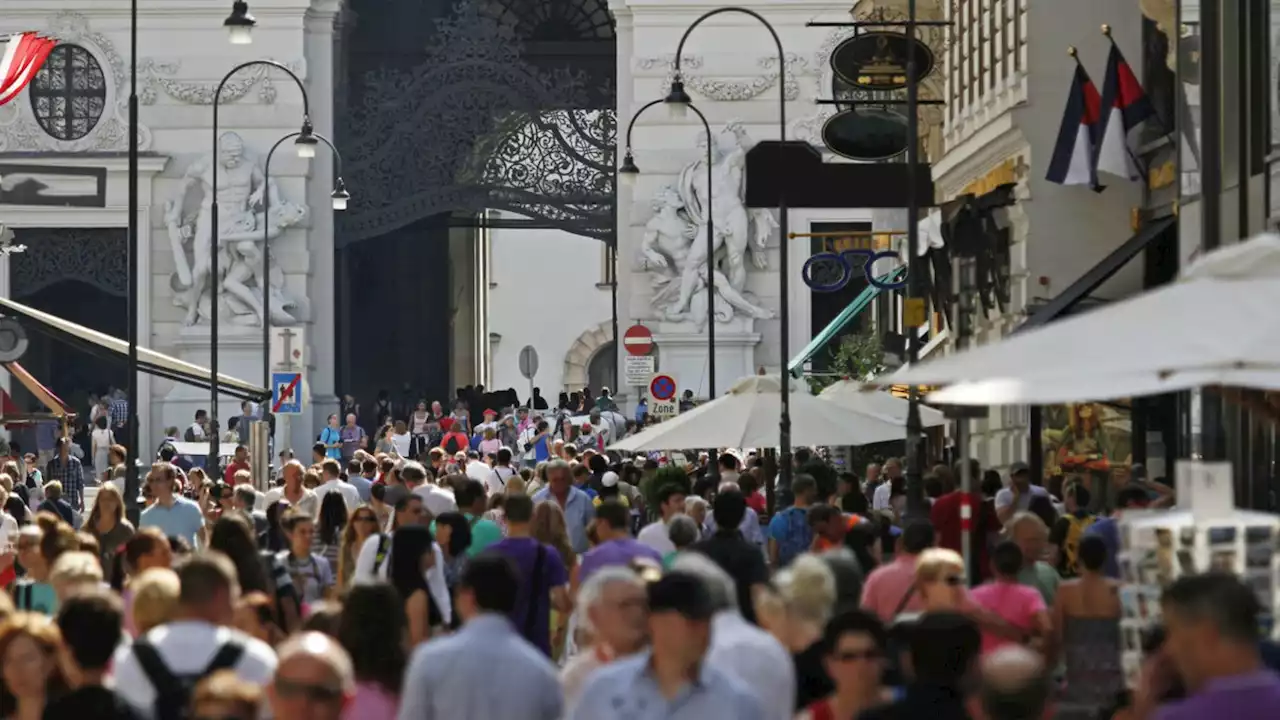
column 953, row 580
column 289, row 689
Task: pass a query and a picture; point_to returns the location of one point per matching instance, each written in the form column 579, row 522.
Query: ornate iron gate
column 508, row 105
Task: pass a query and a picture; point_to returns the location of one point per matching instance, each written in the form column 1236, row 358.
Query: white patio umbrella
column 856, row 396
column 1216, row 325
column 747, row 416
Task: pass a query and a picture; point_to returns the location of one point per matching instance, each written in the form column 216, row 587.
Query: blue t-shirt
column 182, row 519
column 524, row 552
column 36, row 597
column 329, row 436
column 790, row 529
column 1109, row 530
column 542, row 449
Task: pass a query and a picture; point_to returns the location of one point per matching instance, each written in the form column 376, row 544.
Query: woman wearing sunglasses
column 363, row 523
column 854, row 644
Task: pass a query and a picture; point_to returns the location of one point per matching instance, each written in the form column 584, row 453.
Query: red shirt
column 756, row 501
column 229, row 477
column 945, row 517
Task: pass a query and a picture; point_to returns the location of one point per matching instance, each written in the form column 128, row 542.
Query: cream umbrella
column 857, row 396
column 747, row 416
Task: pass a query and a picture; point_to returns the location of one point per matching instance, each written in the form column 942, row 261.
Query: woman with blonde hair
column 363, row 523
column 73, row 572
column 154, row 599
column 548, row 527
column 29, row 647
column 107, row 523
column 795, row 610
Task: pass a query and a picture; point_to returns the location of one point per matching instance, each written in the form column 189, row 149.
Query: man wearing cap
column 1017, row 497
column 671, row 680
column 490, row 421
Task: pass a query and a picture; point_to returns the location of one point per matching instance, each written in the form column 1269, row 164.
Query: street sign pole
column 529, row 368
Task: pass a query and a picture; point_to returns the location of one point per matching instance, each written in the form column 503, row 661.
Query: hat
column 1018, row 468
column 681, row 592
column 490, row 411
column 609, row 479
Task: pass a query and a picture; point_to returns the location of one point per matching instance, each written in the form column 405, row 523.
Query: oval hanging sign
column 869, row 134
column 878, row 60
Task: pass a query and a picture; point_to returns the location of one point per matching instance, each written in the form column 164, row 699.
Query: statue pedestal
column 683, row 354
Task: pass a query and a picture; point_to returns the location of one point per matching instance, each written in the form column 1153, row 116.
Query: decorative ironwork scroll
column 94, row 256
column 499, row 113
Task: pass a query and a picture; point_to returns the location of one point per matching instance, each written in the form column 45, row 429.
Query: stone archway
column 578, row 359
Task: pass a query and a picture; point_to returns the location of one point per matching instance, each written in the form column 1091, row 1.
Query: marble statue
column 674, row 248
column 241, row 191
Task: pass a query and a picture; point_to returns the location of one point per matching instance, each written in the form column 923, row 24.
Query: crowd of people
column 581, row 584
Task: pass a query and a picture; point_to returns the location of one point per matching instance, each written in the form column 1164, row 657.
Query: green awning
column 829, row 333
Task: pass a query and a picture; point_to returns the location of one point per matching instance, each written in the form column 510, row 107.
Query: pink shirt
column 371, row 702
column 1017, row 604
column 888, row 585
column 490, row 446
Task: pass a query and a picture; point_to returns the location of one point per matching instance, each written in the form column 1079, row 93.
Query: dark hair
column 727, row 509
column 991, row 482
column 371, row 614
column 333, row 518
column 666, row 492
column 1219, row 598
column 852, row 622
column 354, row 467
column 127, row 554
column 318, row 447
column 943, row 648
column 1131, row 496
column 803, row 484
column 918, row 537
column 293, row 517
column 518, row 508
column 369, row 466
column 504, row 456
column 1042, row 507
column 460, row 538
column 1081, row 495
column 1092, row 552
column 821, row 513
column 493, row 580
column 203, row 576
column 101, row 422
column 614, row 514
column 232, row 536
column 727, row 461
column 90, row 622
column 471, row 491
column 802, row 455
column 1006, row 559
column 408, row 544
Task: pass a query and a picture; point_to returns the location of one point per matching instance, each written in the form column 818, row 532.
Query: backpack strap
column 162, row 679
column 225, row 659
column 384, row 544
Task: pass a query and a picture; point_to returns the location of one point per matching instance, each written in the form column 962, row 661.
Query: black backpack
column 173, row 692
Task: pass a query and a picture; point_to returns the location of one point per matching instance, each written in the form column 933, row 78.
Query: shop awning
column 113, row 348
column 1065, row 301
column 846, row 316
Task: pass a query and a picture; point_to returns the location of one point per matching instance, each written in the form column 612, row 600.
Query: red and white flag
column 21, row 56
column 1125, row 106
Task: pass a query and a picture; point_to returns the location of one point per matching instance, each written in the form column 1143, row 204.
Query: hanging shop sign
column 832, row 271
column 867, row 133
column 878, row 60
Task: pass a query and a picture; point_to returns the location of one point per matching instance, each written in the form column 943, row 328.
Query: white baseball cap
column 609, row 479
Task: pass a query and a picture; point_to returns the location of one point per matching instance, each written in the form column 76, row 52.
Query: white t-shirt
column 497, row 480
column 477, row 470
column 437, row 499
column 187, row 647
column 197, row 431
column 1004, row 498
column 364, row 573
column 310, row 502
column 655, row 536
column 8, row 530
column 401, row 444
column 348, row 491
column 880, row 497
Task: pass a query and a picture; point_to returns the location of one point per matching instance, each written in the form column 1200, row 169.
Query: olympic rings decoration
column 818, row 270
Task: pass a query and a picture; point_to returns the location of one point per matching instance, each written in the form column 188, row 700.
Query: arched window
column 69, row 93
column 554, row 20
column 600, row 371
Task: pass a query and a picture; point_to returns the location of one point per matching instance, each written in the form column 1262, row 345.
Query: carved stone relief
column 243, row 227
column 19, row 131
column 156, row 77
column 731, row 90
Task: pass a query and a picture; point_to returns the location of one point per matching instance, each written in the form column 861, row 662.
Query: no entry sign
column 637, row 340
column 662, row 387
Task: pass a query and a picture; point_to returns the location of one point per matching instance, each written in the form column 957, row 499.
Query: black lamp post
column 678, row 101
column 306, row 145
column 627, row 173
column 339, row 196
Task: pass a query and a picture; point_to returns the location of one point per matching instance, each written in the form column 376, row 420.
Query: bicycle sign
column 831, row 271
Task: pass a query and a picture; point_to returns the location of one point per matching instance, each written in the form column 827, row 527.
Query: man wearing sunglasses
column 314, row 679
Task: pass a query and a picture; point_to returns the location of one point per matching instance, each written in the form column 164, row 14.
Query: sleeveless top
column 1091, row 651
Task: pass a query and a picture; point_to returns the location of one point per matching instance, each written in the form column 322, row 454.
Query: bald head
column 727, row 486
column 1015, row 684
column 313, row 678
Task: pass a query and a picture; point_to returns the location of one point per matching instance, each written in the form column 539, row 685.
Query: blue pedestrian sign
column 286, row 393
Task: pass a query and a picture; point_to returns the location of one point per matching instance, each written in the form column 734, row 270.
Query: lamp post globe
column 240, row 24
column 628, row 171
column 340, row 196
column 677, row 100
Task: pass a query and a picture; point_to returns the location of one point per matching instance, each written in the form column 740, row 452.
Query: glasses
column 366, row 518
column 854, row 655
column 953, row 580
column 289, row 689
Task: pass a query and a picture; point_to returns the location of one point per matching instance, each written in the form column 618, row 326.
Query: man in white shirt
column 670, row 504
column 739, row 648
column 374, row 560
column 438, row 500
column 477, row 469
column 333, row 483
column 1018, row 496
column 200, row 641
column 501, row 472
column 884, row 491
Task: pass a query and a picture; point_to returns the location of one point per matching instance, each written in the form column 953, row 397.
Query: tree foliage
column 858, row 356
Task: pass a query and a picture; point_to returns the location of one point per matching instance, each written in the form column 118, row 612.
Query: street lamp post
column 678, row 102
column 627, row 173
column 339, row 196
column 916, row 507
column 305, row 143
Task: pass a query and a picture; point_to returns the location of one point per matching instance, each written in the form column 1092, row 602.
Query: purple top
column 524, row 552
column 1243, row 697
column 615, row 552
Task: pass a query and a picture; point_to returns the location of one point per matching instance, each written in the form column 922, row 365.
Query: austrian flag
column 1072, row 162
column 21, row 56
